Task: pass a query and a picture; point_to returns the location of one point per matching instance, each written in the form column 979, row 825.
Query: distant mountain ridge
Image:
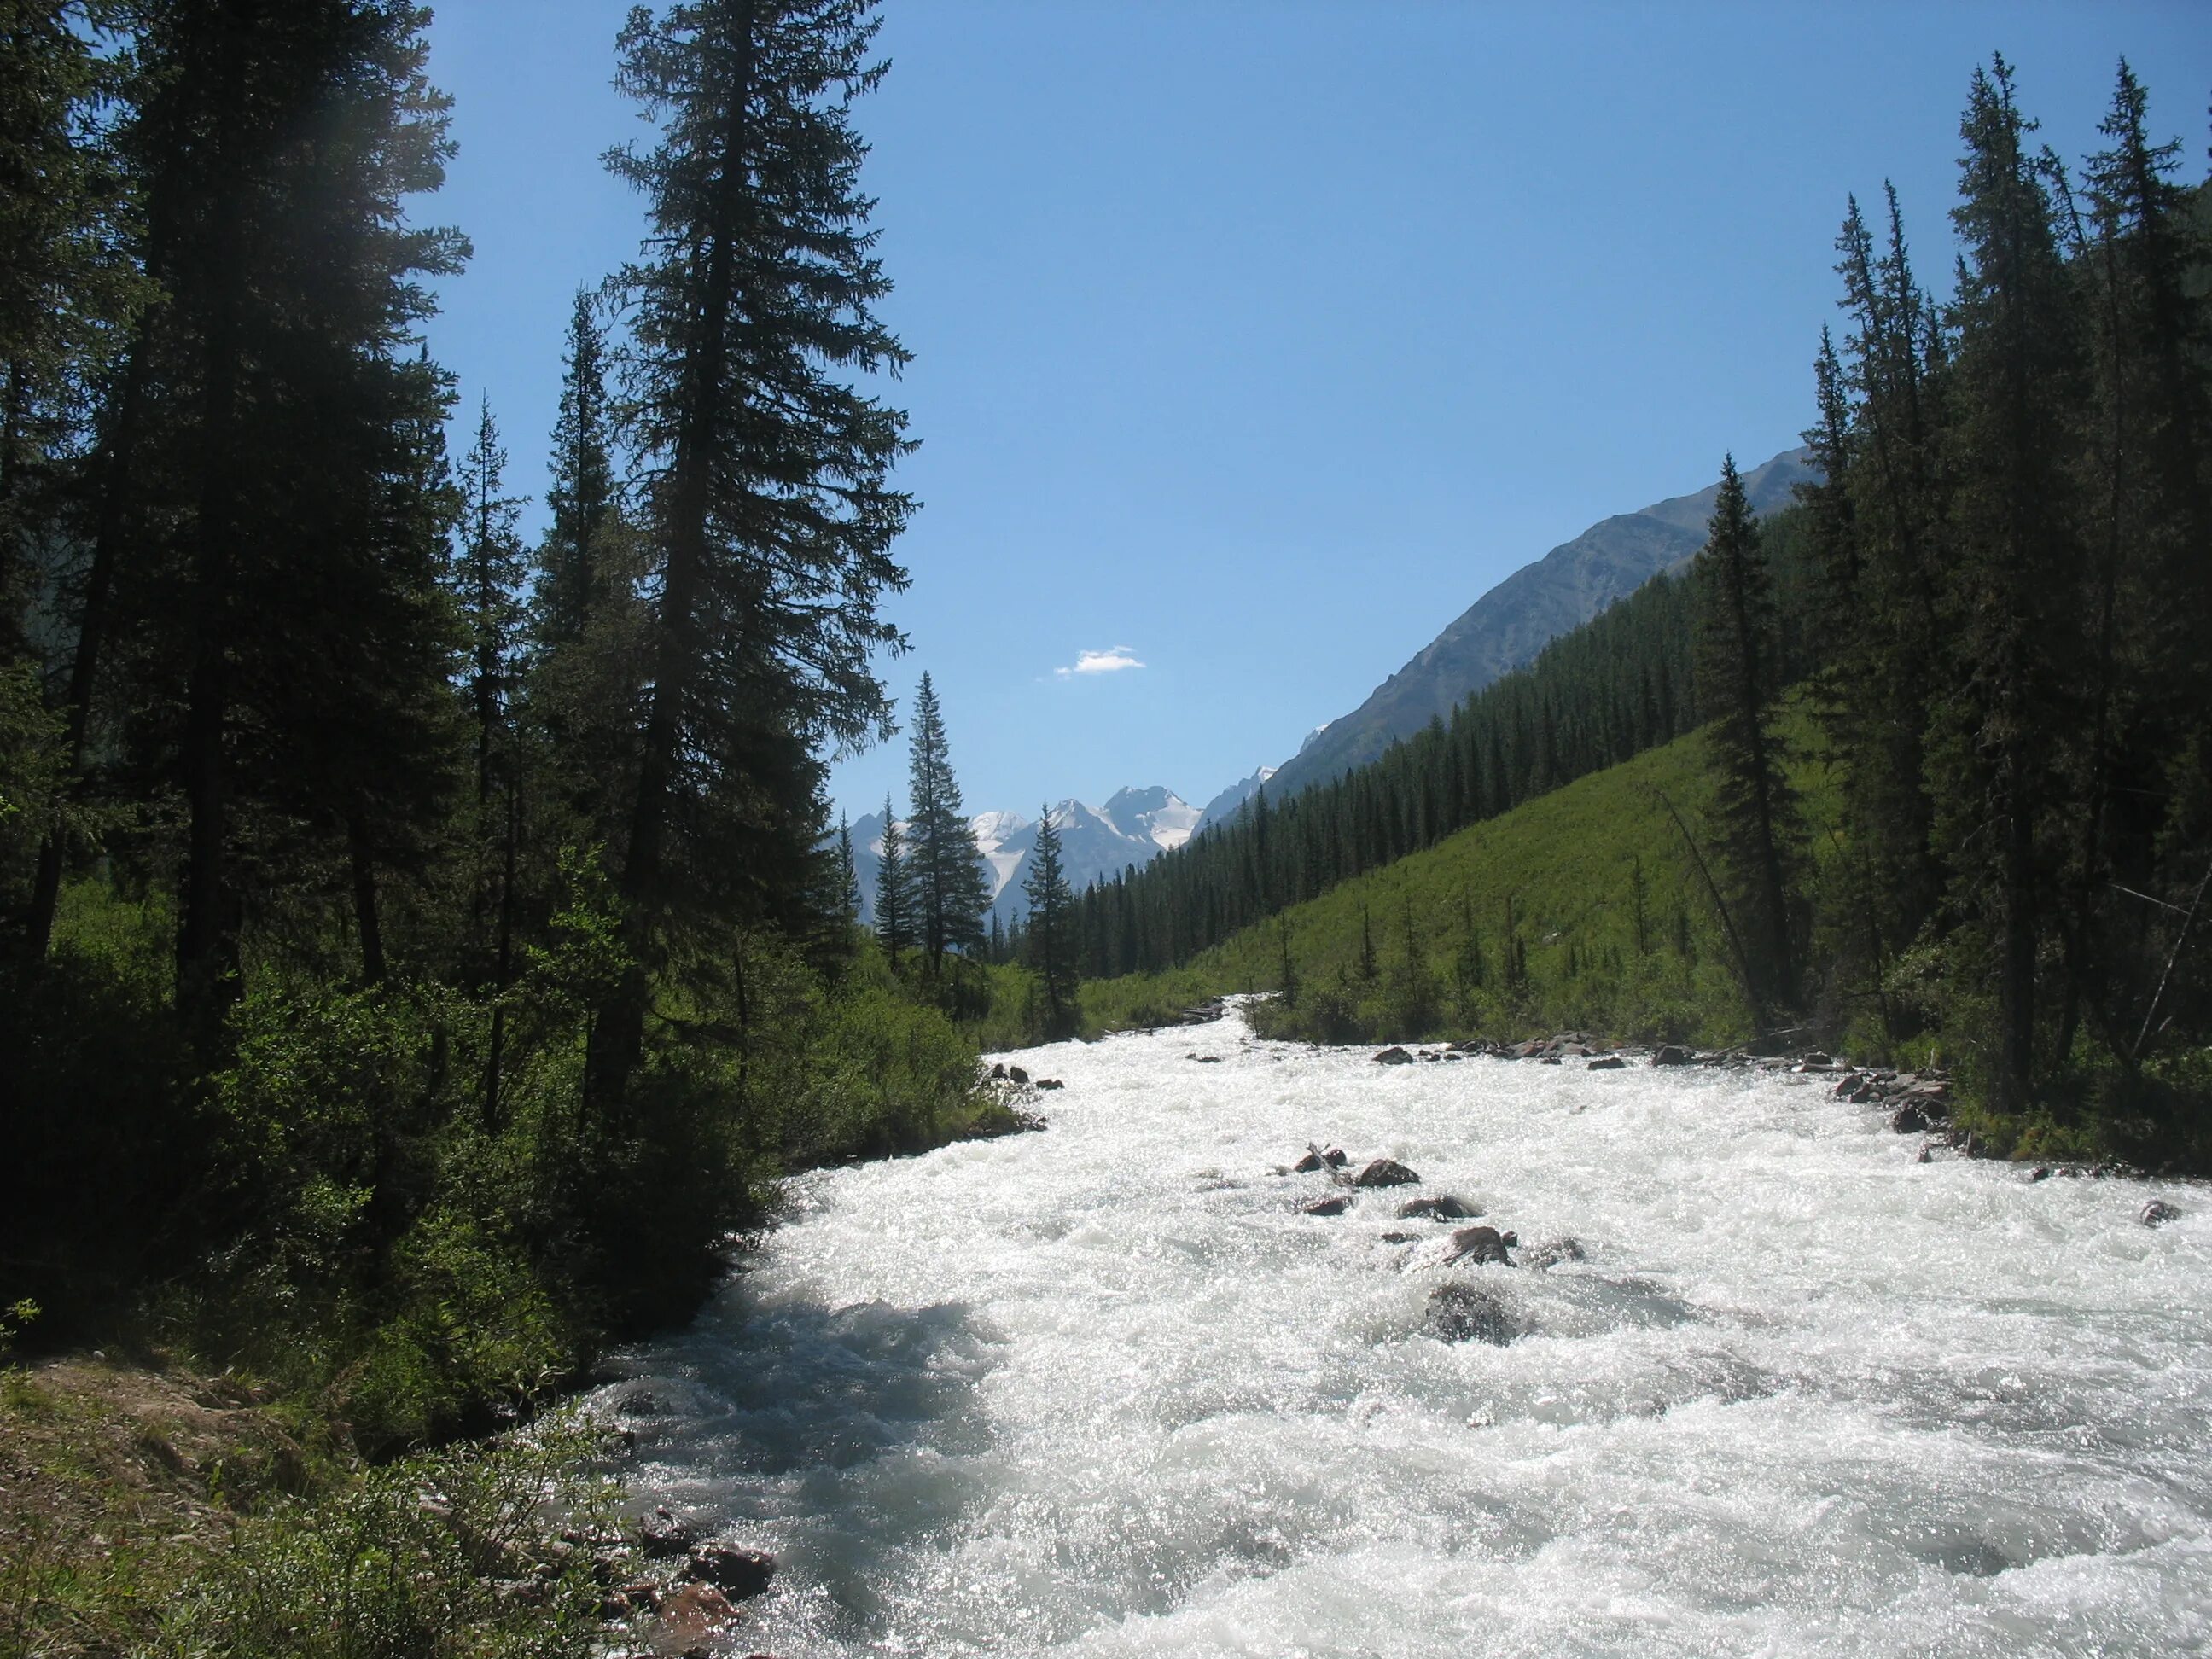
column 1135, row 827
column 1505, row 629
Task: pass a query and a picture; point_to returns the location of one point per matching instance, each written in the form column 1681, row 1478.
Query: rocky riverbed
column 1545, row 1360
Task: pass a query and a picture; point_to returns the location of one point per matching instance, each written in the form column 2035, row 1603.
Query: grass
column 150, row 1509
column 1552, row 884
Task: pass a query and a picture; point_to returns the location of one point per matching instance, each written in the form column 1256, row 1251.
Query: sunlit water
column 1102, row 1391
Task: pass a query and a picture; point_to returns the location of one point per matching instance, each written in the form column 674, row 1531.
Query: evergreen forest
column 425, row 944
column 1980, row 642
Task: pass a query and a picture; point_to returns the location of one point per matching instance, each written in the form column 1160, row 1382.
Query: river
column 1104, row 1391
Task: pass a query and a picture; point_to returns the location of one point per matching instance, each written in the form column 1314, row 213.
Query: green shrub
column 446, row 1555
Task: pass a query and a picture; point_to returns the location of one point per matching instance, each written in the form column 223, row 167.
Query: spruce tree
column 1052, row 944
column 849, row 874
column 894, row 890
column 2015, row 578
column 1754, row 813
column 583, row 499
column 951, row 893
column 2147, row 520
column 274, row 516
column 765, row 468
column 487, row 580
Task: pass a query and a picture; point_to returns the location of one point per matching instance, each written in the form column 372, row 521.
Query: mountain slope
column 1567, row 864
column 1507, row 627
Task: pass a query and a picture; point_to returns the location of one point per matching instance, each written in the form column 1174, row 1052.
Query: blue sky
column 1255, row 339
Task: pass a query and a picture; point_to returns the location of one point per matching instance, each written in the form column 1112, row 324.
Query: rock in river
column 737, row 1573
column 1446, row 1208
column 1482, row 1245
column 1385, row 1172
column 1468, row 1313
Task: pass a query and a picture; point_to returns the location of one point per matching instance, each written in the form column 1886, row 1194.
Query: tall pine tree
column 765, row 468
column 951, row 893
column 2007, row 763
column 1052, row 933
column 894, row 890
column 1754, row 814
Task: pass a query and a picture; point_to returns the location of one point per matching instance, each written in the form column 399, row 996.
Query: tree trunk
column 617, row 1039
column 365, row 914
column 116, row 479
column 207, row 940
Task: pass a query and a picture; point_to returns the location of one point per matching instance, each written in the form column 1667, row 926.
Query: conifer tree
column 894, row 889
column 487, row 587
column 2148, row 519
column 270, row 478
column 583, row 499
column 950, row 892
column 63, row 283
column 765, row 468
column 1051, row 931
column 849, row 874
column 1754, row 811
column 2014, row 576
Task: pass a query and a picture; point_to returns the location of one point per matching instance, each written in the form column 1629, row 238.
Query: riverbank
column 150, row 1508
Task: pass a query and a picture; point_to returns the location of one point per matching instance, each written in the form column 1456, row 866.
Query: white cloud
column 1101, row 662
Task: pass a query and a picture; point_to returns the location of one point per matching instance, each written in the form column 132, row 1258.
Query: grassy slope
column 1566, row 861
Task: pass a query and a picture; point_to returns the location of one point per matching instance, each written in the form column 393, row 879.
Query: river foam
column 1102, row 1391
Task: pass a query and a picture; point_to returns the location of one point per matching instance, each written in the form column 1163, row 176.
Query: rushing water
column 1104, row 1391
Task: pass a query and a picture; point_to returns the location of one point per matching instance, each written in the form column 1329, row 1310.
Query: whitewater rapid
column 1104, row 1391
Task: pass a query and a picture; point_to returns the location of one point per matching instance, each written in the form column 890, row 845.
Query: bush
column 446, row 1553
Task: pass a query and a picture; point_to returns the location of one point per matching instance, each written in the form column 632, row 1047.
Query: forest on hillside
column 1993, row 607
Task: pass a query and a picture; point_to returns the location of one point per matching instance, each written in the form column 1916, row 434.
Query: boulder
column 1335, row 1204
column 693, row 1613
column 634, row 1600
column 661, row 1534
column 1050, row 1083
column 1385, row 1172
column 1481, row 1245
column 1606, row 1063
column 1309, row 1164
column 2158, row 1211
column 1446, row 1208
column 1335, row 1157
column 1459, row 1312
column 1400, row 1238
column 998, row 1073
column 1394, row 1057
column 1909, row 1121
column 1672, row 1053
column 737, row 1573
column 1552, row 1252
